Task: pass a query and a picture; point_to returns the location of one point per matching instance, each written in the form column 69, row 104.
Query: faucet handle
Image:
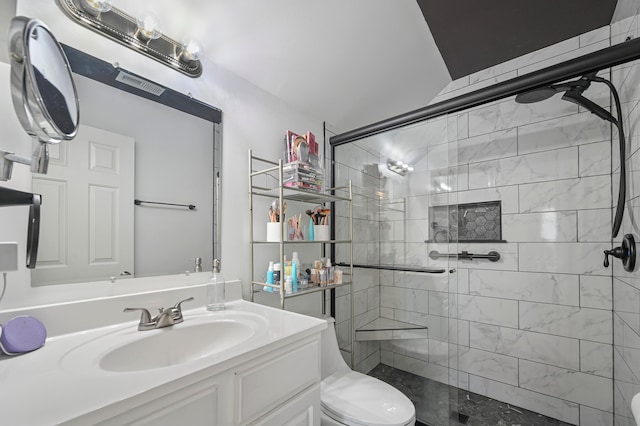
column 145, row 316
column 176, row 311
column 178, row 305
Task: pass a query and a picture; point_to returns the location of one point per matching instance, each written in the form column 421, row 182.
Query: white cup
column 273, row 231
column 321, row 232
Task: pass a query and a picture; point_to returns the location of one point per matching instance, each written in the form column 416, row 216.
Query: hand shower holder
column 625, row 252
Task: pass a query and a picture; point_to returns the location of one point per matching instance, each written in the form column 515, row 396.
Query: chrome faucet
column 165, row 318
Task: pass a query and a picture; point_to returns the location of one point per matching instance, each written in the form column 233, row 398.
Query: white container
column 273, row 231
column 321, row 232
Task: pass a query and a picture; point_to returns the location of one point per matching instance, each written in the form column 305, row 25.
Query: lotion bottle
column 295, row 270
column 270, row 278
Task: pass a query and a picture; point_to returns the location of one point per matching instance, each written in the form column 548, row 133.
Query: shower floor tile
column 438, row 404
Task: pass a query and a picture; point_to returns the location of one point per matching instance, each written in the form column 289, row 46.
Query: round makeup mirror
column 46, row 103
column 44, row 94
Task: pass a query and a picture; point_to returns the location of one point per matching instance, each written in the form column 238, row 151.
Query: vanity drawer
column 262, row 387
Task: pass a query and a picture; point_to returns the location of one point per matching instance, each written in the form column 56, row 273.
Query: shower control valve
column 626, row 252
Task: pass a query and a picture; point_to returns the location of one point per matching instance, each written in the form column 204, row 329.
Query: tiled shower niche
column 472, row 222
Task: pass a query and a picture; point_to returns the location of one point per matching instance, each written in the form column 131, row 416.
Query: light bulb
column 96, row 7
column 148, row 27
column 191, row 50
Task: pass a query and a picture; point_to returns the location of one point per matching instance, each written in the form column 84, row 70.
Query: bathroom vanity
column 246, row 365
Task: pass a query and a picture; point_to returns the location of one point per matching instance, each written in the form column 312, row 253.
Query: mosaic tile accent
column 472, row 222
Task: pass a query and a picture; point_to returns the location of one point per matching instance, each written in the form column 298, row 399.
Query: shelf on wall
column 300, row 291
column 389, row 329
column 293, row 194
column 304, row 242
column 467, row 242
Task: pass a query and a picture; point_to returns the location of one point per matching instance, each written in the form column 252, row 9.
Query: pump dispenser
column 215, row 289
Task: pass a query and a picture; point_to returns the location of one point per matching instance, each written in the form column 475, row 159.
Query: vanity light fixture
column 141, row 34
column 399, row 167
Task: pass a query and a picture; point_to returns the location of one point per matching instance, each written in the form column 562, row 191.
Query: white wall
column 7, row 9
column 251, row 119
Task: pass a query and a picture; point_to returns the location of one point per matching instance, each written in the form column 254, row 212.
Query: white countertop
column 50, row 386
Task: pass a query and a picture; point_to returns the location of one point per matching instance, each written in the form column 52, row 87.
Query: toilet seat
column 356, row 399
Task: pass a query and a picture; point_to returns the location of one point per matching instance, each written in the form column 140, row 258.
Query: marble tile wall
column 543, row 313
column 534, row 329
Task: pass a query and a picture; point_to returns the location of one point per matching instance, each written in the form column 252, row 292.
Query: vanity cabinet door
column 303, row 410
column 263, row 386
column 196, row 405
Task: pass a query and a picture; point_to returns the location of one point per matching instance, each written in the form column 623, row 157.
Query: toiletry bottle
column 329, row 269
column 288, row 286
column 215, row 289
column 270, row 278
column 287, row 267
column 276, row 273
column 337, row 275
column 295, row 270
column 311, row 233
column 294, row 277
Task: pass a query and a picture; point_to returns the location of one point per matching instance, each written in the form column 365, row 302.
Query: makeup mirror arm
column 39, row 161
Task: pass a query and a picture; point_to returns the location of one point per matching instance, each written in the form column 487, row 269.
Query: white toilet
column 355, row 399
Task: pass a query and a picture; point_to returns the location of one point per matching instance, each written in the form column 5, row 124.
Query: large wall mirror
column 137, row 141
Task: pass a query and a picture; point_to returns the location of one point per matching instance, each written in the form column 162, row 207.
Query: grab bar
column 398, row 268
column 140, row 202
column 492, row 256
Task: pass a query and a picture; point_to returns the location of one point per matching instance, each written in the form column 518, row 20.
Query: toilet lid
column 358, row 399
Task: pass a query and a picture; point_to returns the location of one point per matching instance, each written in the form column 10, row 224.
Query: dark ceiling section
column 474, row 35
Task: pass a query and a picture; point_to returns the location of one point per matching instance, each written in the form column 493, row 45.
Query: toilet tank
column 331, row 359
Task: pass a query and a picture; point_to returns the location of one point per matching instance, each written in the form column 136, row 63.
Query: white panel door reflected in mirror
column 95, row 177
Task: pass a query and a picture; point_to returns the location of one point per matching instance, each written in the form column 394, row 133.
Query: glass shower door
column 404, row 183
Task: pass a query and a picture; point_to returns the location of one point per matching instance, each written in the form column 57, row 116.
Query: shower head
column 536, row 95
column 576, row 97
column 545, row 92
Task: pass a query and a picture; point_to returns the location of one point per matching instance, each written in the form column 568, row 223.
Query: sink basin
column 130, row 350
column 175, row 345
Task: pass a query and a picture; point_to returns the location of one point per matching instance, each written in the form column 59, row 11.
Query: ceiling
column 490, row 32
column 355, row 62
column 349, row 63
